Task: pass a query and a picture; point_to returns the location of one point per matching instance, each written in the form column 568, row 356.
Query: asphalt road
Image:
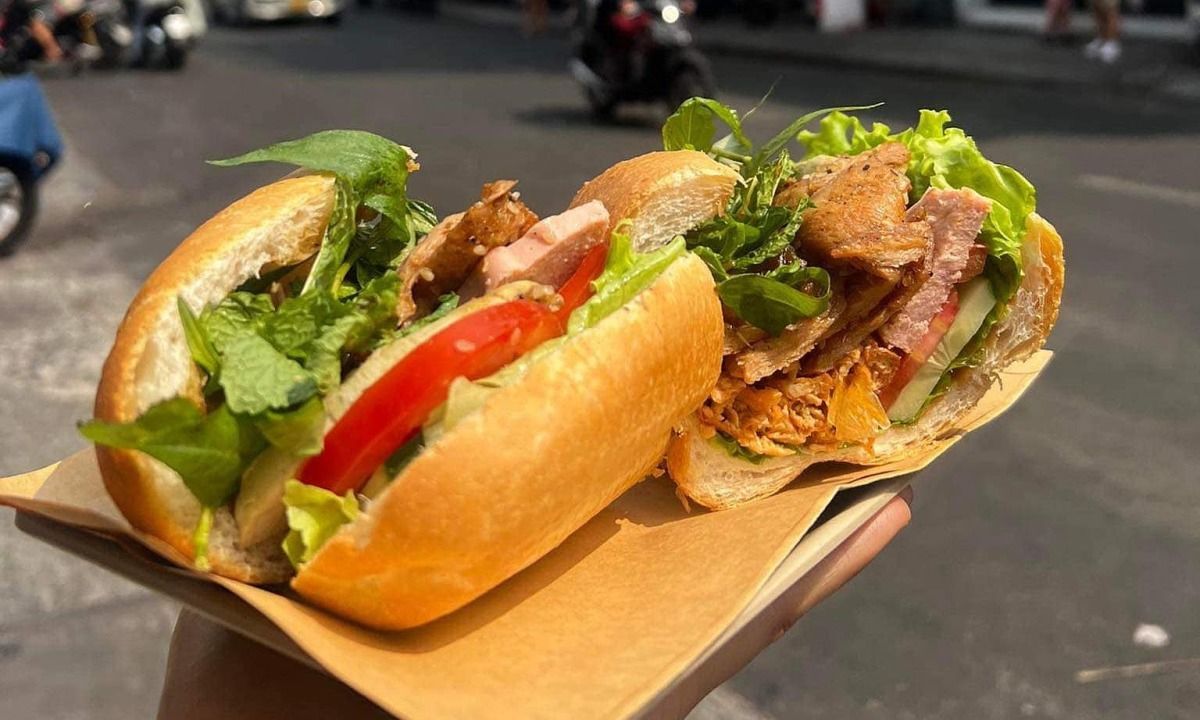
column 1039, row 543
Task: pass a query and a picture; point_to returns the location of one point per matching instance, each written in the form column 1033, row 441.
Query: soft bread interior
column 662, row 194
column 715, row 479
column 278, row 225
column 541, row 457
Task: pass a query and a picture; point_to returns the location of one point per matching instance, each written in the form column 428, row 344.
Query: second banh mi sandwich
column 872, row 289
column 326, row 384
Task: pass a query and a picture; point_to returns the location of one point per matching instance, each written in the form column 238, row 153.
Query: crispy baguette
column 278, row 225
column 543, row 455
column 282, row 224
column 713, row 478
column 663, row 194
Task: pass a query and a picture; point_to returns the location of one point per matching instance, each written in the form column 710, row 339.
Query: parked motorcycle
column 165, row 31
column 29, row 147
column 654, row 60
column 110, row 30
column 88, row 32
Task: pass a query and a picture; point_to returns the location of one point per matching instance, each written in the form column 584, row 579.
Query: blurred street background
column 1039, row 545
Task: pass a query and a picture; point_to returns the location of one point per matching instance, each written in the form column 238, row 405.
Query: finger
column 213, row 672
column 857, row 551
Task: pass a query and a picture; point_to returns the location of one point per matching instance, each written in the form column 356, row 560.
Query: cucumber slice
column 975, row 302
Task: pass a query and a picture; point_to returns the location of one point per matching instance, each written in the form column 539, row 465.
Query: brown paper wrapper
column 640, row 612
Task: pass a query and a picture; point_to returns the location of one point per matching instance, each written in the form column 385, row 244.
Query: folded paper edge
column 18, row 491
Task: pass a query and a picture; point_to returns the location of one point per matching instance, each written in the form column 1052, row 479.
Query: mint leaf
column 372, row 171
column 375, row 168
column 208, row 451
column 201, row 348
column 234, row 316
column 299, row 432
column 316, row 329
column 692, row 127
column 259, row 378
column 771, row 304
column 338, row 235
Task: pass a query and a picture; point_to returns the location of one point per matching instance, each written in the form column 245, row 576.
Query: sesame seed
column 479, row 250
column 426, row 274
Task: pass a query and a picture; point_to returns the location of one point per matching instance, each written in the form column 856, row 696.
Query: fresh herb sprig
column 269, row 362
column 748, row 248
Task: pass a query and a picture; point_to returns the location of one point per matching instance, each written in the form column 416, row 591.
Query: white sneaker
column 1092, row 49
column 1110, row 52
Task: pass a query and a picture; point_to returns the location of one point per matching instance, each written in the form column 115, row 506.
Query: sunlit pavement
column 1039, row 544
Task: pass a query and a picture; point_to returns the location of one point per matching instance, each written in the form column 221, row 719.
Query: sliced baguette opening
column 709, row 475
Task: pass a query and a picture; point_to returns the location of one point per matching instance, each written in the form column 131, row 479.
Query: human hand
column 855, row 552
column 214, row 672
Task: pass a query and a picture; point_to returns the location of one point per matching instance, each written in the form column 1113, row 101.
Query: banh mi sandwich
column 872, row 288
column 328, row 384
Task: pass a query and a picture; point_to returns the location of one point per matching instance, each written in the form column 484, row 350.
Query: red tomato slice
column 578, row 288
column 920, row 354
column 392, row 410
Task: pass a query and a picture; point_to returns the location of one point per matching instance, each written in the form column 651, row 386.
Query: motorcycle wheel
column 687, row 84
column 113, row 54
column 18, row 205
column 175, row 57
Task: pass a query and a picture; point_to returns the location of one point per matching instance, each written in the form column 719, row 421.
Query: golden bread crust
column 1051, row 245
column 662, row 193
column 138, row 484
column 544, row 455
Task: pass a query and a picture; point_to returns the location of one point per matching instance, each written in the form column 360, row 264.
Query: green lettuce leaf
column 945, row 157
column 731, row 446
column 208, row 451
column 626, row 273
column 313, row 516
column 446, row 303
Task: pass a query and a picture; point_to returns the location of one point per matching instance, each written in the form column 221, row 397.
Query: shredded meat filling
column 787, row 411
column 816, row 385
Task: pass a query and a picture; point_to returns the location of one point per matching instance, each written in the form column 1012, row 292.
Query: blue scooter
column 29, row 147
